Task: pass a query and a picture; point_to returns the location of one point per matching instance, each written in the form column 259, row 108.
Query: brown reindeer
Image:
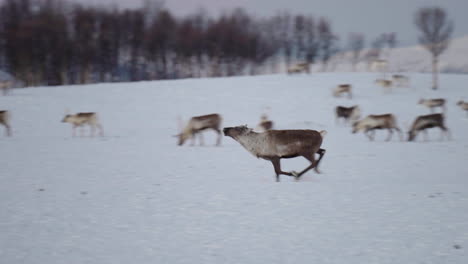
column 421, row 123
column 264, row 124
column 341, row 89
column 299, row 67
column 81, row 119
column 197, row 124
column 433, row 103
column 274, row 145
column 347, row 113
column 373, row 122
column 5, row 121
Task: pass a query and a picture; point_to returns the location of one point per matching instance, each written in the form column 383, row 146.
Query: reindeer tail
column 323, row 133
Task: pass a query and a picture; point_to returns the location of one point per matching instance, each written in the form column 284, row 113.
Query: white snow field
column 133, row 196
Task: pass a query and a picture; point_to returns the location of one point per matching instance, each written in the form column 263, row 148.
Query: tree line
column 51, row 42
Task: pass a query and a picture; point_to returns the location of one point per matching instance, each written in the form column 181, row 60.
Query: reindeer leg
column 366, row 132
column 390, row 133
column 218, row 140
column 425, row 135
column 101, row 131
column 445, row 130
column 321, row 152
column 311, row 157
column 202, row 140
column 399, row 133
column 73, row 131
column 278, row 171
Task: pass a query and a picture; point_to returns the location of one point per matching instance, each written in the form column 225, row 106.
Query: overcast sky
column 371, row 17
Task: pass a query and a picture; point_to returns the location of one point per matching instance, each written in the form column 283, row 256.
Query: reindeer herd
column 273, row 145
column 371, row 123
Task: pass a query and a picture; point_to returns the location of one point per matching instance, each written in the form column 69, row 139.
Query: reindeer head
column 182, row 138
column 356, row 114
column 459, row 102
column 356, row 127
column 237, row 131
column 67, row 119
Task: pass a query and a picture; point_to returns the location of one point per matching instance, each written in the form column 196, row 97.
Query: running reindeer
column 421, row 123
column 5, row 121
column 274, row 145
column 342, row 89
column 197, row 124
column 347, row 113
column 81, row 119
column 373, row 122
column 433, row 103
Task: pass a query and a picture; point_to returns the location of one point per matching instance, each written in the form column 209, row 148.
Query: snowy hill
column 417, row 59
column 133, row 196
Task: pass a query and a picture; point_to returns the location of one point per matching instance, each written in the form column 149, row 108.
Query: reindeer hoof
column 295, row 174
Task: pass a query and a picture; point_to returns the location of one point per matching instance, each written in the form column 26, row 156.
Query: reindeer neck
column 254, row 142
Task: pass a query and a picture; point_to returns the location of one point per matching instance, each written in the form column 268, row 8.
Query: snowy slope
column 133, row 196
column 415, row 59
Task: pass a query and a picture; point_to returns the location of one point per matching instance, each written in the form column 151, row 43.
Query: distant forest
column 51, row 42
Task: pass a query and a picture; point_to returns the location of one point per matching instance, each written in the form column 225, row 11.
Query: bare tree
column 355, row 45
column 327, row 41
column 436, row 29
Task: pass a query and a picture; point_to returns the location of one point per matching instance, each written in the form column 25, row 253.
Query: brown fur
column 341, row 89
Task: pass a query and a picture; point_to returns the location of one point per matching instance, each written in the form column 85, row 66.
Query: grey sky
column 371, row 17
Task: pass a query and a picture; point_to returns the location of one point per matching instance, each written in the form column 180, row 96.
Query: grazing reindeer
column 5, row 121
column 341, row 89
column 373, row 122
column 274, row 145
column 199, row 123
column 427, row 121
column 463, row 105
column 401, row 80
column 5, row 85
column 264, row 124
column 300, row 67
column 81, row 119
column 433, row 103
column 347, row 113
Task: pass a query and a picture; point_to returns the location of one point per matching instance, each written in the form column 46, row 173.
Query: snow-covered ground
column 133, row 196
